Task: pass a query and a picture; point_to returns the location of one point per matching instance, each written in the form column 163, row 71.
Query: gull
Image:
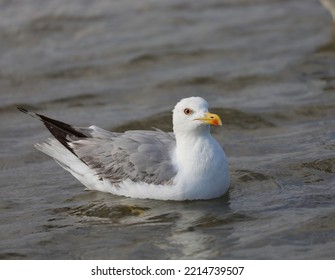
column 186, row 164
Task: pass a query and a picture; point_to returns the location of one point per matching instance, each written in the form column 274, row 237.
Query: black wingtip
column 32, row 114
column 63, row 132
column 23, row 110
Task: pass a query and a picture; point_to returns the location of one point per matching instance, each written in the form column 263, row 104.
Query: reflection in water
column 188, row 225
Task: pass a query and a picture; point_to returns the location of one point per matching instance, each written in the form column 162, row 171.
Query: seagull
column 186, row 164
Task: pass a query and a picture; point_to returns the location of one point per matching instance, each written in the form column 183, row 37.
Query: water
column 267, row 67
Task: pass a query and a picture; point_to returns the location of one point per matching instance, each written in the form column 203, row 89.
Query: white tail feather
column 72, row 164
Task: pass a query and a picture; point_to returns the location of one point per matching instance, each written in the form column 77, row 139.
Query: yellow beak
column 210, row 118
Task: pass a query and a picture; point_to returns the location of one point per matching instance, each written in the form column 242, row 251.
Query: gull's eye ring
column 188, row 111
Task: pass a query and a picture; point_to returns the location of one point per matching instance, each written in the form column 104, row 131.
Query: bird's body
column 188, row 164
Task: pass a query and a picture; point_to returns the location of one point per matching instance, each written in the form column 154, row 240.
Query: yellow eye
column 188, row 111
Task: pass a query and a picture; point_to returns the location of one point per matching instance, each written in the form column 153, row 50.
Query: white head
column 191, row 115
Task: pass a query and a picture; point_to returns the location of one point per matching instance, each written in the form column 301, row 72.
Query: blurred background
column 266, row 66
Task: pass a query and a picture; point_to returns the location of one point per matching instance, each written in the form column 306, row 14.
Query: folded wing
column 140, row 156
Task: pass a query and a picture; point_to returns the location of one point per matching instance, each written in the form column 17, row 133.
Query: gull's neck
column 190, row 143
column 197, row 156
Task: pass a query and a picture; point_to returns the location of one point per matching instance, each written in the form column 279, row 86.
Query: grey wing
column 136, row 155
column 144, row 156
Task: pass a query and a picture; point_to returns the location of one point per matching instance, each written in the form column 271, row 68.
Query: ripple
column 210, row 221
column 325, row 165
column 248, row 175
column 12, row 256
column 114, row 213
